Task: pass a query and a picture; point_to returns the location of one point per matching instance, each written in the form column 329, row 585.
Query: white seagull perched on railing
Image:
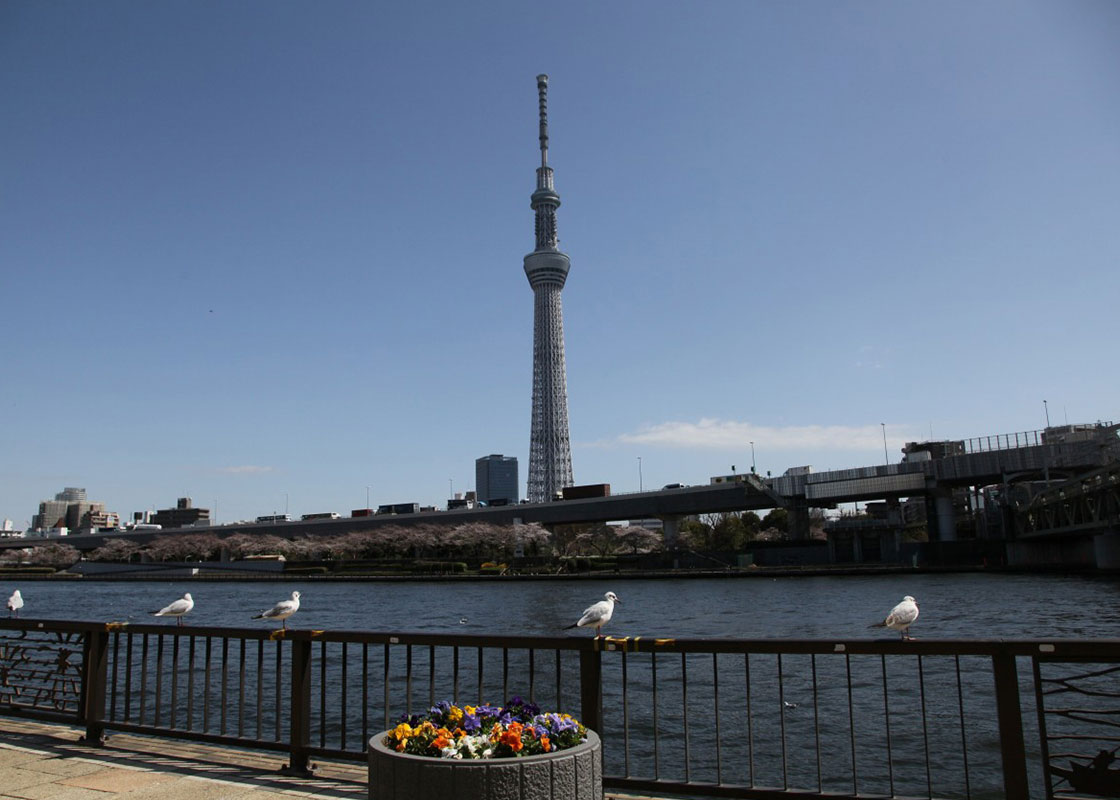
column 15, row 603
column 597, row 615
column 177, row 609
column 282, row 610
column 901, row 617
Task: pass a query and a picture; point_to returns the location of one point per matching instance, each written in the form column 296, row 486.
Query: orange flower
column 440, row 742
column 546, row 744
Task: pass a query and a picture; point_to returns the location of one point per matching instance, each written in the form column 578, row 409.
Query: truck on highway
column 399, row 508
column 585, row 491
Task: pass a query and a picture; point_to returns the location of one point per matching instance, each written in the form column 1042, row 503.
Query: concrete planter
column 572, row 774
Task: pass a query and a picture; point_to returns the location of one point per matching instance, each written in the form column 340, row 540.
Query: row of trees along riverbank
column 473, row 543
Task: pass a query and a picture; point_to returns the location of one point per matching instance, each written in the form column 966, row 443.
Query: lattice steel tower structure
column 550, row 452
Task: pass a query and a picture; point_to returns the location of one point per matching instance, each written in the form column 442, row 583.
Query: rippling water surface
column 952, row 605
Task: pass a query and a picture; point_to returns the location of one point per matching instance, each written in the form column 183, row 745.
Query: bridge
column 929, row 469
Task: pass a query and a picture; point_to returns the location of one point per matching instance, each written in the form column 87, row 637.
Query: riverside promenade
column 41, row 761
column 48, row 762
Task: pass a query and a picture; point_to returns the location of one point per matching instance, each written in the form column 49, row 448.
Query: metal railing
column 1003, row 441
column 706, row 717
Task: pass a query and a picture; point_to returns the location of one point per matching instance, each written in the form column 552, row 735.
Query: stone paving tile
column 16, row 778
column 67, row 766
column 191, row 789
column 117, row 779
column 55, row 791
column 14, row 757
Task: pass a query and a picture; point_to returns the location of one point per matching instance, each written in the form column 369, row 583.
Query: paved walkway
column 46, row 762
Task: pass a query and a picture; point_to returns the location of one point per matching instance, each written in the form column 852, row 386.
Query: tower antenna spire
column 542, row 94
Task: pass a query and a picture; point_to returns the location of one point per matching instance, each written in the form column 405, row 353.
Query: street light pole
column 752, row 458
column 886, row 458
column 1046, row 408
column 367, row 497
column 640, row 473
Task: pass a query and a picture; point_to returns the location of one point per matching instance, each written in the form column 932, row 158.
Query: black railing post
column 591, row 688
column 300, row 735
column 95, row 670
column 1012, row 749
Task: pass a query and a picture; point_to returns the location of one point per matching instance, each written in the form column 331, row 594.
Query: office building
column 495, row 480
column 183, row 515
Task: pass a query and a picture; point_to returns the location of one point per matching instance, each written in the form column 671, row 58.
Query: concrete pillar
column 798, row 519
column 1106, row 550
column 671, row 529
column 939, row 516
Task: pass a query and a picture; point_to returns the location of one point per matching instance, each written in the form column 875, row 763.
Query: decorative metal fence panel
column 1079, row 720
column 702, row 717
column 41, row 673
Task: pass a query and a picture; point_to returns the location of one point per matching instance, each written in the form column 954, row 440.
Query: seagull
column 901, row 617
column 15, row 603
column 597, row 615
column 176, row 609
column 788, row 704
column 282, row 610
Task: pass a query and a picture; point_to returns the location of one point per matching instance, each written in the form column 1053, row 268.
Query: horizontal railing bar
column 198, row 736
column 342, row 755
column 733, row 790
column 27, row 712
column 1044, row 649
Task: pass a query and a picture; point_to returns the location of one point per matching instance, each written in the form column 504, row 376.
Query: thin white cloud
column 245, row 469
column 717, row 434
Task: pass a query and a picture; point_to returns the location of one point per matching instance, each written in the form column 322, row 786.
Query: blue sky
column 269, row 254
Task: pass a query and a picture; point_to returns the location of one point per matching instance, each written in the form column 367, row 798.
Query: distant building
column 52, row 514
column 495, row 480
column 71, row 509
column 182, row 516
column 461, row 500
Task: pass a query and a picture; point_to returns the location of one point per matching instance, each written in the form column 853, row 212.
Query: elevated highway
column 667, row 504
column 931, row 469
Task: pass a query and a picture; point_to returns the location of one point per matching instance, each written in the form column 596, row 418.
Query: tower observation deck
column 550, row 453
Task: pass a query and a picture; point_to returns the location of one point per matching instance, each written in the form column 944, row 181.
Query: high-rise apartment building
column 495, row 479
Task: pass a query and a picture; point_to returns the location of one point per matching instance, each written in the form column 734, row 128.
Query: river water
column 824, row 722
column 952, row 605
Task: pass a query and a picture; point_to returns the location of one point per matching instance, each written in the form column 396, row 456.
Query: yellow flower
column 455, row 714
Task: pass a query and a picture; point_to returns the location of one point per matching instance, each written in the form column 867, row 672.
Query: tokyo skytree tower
column 550, row 452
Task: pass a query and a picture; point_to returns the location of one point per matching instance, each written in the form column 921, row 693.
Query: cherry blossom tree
column 184, row 547
column 57, row 555
column 115, row 550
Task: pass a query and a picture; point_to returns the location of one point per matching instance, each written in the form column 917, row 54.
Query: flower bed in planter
column 486, row 753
